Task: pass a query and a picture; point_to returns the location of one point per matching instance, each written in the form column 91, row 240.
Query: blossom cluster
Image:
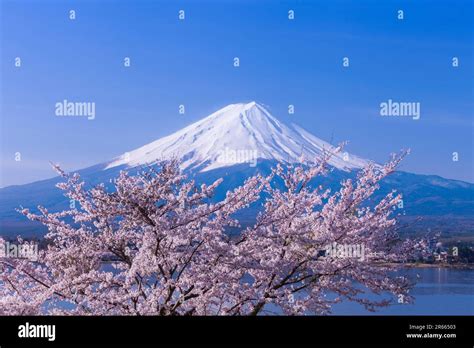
column 158, row 244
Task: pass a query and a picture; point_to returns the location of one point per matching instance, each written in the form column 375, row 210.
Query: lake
column 439, row 291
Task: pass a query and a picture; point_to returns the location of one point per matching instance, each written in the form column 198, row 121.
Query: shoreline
column 466, row 266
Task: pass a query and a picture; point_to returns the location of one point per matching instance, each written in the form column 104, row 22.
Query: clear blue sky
column 191, row 62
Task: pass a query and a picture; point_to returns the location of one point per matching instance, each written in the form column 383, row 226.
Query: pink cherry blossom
column 157, row 244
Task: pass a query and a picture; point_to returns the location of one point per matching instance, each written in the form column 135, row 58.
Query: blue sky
column 190, row 62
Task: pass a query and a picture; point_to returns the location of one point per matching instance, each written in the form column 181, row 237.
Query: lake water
column 439, row 291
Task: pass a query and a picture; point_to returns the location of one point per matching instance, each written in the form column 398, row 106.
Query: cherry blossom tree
column 157, row 244
column 286, row 252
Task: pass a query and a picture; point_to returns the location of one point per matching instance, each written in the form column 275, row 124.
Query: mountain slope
column 237, row 133
column 240, row 140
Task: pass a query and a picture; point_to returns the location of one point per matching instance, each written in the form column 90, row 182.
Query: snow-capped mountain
column 237, row 133
column 234, row 143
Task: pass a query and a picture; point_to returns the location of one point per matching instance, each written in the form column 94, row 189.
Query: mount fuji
column 240, row 140
column 237, row 133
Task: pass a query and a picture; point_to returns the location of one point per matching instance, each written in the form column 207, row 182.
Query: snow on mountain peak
column 237, row 133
